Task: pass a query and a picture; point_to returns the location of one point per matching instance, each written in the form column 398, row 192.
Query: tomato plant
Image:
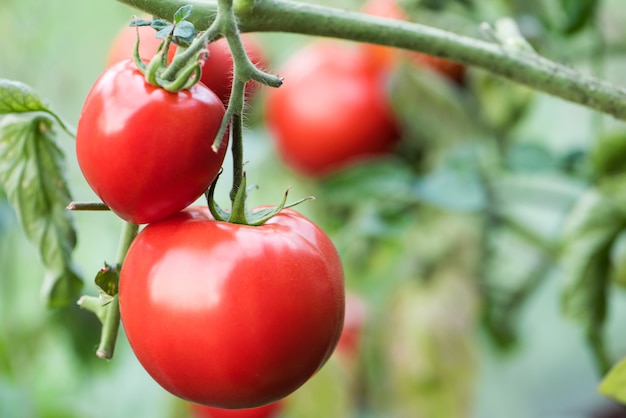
column 331, row 111
column 217, row 69
column 144, row 151
column 267, row 411
column 229, row 315
column 354, row 321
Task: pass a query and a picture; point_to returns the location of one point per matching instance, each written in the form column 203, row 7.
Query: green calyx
column 185, row 69
column 239, row 213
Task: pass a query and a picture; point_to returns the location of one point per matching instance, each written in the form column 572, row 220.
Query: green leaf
column 31, row 173
column 608, row 153
column 421, row 98
column 592, row 229
column 614, row 383
column 185, row 31
column 140, row 22
column 183, row 13
column 578, row 13
column 17, row 97
column 108, row 279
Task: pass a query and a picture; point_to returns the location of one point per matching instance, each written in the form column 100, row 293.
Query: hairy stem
column 519, row 66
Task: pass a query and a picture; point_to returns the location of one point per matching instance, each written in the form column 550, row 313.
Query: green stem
column 521, row 67
column 237, row 153
column 109, row 314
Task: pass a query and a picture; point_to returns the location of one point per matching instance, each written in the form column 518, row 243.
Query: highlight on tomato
column 331, row 111
column 146, row 152
column 229, row 315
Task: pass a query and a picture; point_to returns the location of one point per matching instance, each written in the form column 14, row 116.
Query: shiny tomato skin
column 267, row 411
column 217, row 70
column 232, row 316
column 144, row 151
column 331, row 111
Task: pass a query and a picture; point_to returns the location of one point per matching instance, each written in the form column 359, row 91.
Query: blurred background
column 462, row 245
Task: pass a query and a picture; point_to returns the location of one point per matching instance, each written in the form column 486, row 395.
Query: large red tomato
column 332, row 109
column 228, row 315
column 144, row 151
column 217, row 70
column 267, row 411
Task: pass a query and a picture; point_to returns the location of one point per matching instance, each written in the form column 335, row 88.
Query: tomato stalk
column 106, row 306
column 500, row 58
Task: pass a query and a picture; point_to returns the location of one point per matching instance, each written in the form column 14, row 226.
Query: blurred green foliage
column 457, row 242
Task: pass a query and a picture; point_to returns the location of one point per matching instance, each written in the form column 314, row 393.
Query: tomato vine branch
column 508, row 61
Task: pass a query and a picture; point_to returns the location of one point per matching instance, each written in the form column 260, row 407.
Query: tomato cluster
column 221, row 314
column 333, row 109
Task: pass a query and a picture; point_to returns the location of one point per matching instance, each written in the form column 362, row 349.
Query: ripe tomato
column 267, row 411
column 331, row 110
column 144, row 151
column 217, row 70
column 386, row 57
column 232, row 316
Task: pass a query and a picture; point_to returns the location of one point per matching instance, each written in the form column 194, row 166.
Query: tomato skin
column 267, row 411
column 331, row 111
column 144, row 151
column 232, row 316
column 217, row 70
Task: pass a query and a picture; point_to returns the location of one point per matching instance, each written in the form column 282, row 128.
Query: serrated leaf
column 185, row 30
column 183, row 13
column 618, row 259
column 614, row 383
column 164, row 33
column 17, row 97
column 592, row 229
column 421, row 98
column 108, row 279
column 31, row 173
column 608, row 153
column 140, row 22
column 160, row 24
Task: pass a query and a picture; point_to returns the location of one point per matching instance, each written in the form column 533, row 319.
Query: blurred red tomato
column 331, row 111
column 386, row 57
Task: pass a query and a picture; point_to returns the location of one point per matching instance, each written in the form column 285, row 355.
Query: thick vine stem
column 514, row 64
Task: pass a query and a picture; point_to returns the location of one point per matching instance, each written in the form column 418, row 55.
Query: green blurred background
column 414, row 250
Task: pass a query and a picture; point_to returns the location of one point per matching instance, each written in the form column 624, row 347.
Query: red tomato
column 232, row 316
column 144, row 151
column 331, row 110
column 217, row 71
column 268, row 411
column 386, row 57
